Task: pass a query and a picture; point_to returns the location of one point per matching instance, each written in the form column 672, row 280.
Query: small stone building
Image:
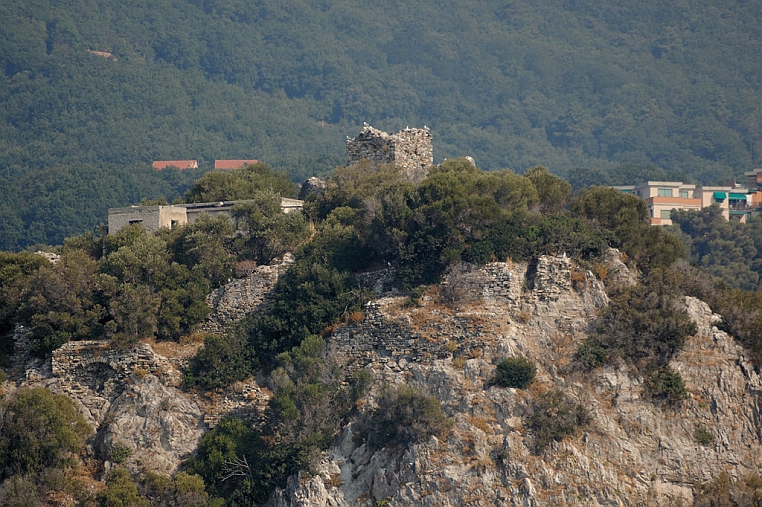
column 410, row 149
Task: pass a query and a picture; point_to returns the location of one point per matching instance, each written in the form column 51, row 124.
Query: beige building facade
column 664, row 196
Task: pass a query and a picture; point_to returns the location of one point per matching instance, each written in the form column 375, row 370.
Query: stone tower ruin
column 409, row 149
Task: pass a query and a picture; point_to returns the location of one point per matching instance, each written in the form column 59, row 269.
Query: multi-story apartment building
column 664, row 196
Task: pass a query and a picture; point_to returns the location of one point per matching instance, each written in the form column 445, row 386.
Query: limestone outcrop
column 312, row 186
column 633, row 452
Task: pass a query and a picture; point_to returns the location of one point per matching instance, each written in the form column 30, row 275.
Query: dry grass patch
column 475, row 353
column 356, row 317
column 185, row 348
column 481, row 423
column 523, row 316
column 601, row 271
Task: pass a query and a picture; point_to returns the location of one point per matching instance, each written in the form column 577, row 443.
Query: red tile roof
column 232, row 164
column 179, row 164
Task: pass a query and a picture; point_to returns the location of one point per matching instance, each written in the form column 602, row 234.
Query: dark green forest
column 578, row 86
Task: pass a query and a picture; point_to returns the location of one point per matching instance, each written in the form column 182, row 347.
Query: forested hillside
column 430, row 239
column 95, row 90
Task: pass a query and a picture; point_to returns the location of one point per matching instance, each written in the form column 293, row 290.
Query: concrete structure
column 177, row 164
column 664, row 196
column 151, row 217
column 227, row 165
column 410, row 149
column 155, row 217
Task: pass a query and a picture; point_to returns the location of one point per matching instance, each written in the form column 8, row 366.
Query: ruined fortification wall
column 233, row 301
column 542, row 289
column 410, row 149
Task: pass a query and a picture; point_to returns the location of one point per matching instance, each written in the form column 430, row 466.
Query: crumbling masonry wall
column 516, row 287
column 410, row 149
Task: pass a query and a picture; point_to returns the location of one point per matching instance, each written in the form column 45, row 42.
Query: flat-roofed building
column 154, row 218
column 664, row 196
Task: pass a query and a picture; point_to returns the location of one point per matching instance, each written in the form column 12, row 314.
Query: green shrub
column 592, row 352
column 121, row 491
column 665, row 384
column 221, row 361
column 119, row 453
column 702, row 435
column 555, row 417
column 516, row 372
column 645, row 324
column 38, row 429
column 405, row 415
column 182, row 490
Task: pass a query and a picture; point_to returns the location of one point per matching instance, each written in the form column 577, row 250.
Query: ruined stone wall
column 233, row 301
column 100, row 367
column 409, row 149
column 511, row 287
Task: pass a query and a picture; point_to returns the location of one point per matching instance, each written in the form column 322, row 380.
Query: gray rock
column 313, row 186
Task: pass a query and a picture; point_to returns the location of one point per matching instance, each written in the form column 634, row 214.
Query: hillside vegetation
column 94, row 91
column 132, row 285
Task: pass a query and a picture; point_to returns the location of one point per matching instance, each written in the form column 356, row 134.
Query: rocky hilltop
column 632, row 452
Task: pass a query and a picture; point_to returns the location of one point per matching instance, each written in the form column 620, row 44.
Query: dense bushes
column 405, row 415
column 517, row 372
column 221, row 361
column 665, row 384
column 626, row 217
column 458, row 213
column 154, row 490
column 39, row 434
column 728, row 249
column 38, row 429
column 644, row 324
column 132, row 284
column 244, row 183
column 555, row 417
column 244, row 464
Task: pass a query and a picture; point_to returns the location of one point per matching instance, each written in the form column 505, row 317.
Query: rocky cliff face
column 632, row 453
column 132, row 398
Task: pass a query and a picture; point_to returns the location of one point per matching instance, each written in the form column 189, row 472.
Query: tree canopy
column 599, row 93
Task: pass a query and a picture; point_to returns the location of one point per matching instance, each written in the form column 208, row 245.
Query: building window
column 665, row 213
column 683, row 194
column 132, row 222
column 664, row 192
